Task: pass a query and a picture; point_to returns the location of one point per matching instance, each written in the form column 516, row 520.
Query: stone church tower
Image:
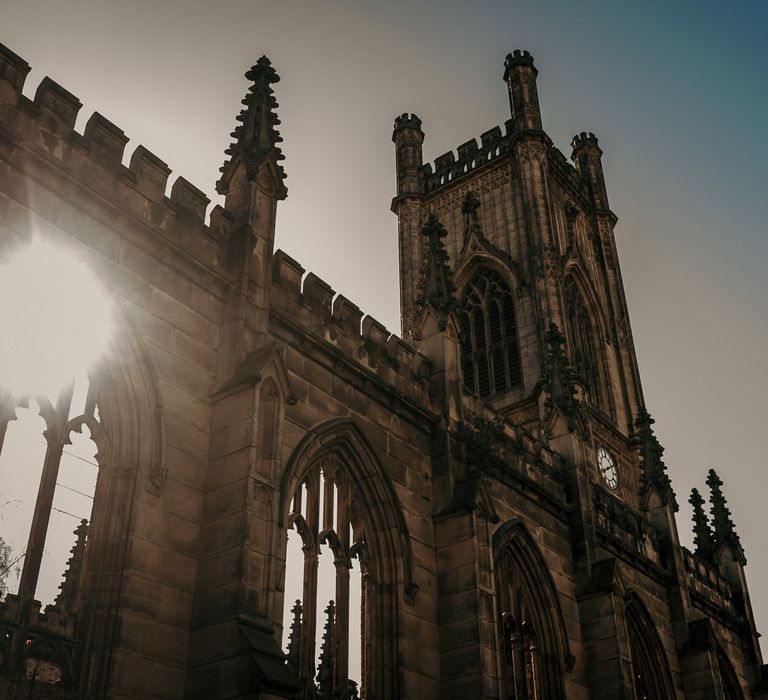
column 487, row 490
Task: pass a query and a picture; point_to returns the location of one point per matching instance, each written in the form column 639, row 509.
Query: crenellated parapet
column 469, row 156
column 312, row 310
column 51, row 619
column 38, row 137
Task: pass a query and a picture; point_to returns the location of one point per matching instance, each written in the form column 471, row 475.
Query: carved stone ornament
column 158, row 476
column 530, row 150
column 482, row 184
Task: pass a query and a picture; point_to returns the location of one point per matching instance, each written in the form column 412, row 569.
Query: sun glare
column 55, row 317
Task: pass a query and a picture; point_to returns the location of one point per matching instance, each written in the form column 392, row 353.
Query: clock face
column 608, row 469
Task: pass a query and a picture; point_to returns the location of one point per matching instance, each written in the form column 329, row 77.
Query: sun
column 55, row 317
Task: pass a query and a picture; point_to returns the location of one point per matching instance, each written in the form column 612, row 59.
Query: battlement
column 582, row 139
column 52, row 619
column 407, row 121
column 93, row 160
column 309, row 303
column 566, row 169
column 519, row 57
column 468, row 157
column 13, row 72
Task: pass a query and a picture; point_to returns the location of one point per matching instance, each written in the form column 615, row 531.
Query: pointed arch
column 728, row 678
column 487, row 312
column 585, row 326
column 339, row 453
column 650, row 667
column 534, row 650
column 131, row 418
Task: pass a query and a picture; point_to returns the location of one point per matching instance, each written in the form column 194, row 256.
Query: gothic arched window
column 490, row 355
column 581, row 337
column 532, row 636
column 353, row 562
column 649, row 662
column 322, row 514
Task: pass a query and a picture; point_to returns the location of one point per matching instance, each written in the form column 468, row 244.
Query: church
column 476, row 507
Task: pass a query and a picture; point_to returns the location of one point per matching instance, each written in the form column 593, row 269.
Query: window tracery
column 533, row 647
column 582, row 339
column 650, row 671
column 490, row 354
column 324, row 513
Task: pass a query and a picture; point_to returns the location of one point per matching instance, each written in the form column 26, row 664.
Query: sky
column 675, row 91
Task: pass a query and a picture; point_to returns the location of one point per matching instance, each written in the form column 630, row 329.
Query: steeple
column 725, row 530
column 436, row 288
column 256, row 138
column 703, row 538
column 653, row 476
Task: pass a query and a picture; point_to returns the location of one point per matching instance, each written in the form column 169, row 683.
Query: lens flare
column 55, row 320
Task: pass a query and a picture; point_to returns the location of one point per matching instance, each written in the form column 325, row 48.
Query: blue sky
column 675, row 91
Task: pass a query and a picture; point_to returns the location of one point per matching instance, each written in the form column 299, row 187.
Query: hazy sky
column 675, row 91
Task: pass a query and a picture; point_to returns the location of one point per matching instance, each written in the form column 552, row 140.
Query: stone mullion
column 309, row 602
column 56, row 435
column 364, row 635
column 341, row 629
column 342, row 563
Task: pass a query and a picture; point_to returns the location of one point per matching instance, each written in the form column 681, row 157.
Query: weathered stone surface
column 460, row 467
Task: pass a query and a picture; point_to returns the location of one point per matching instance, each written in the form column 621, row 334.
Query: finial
column 294, row 639
column 255, row 137
column 436, row 287
column 703, row 538
column 725, row 530
column 653, row 476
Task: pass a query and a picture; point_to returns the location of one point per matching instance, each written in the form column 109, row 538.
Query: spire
column 325, row 667
column 294, row 639
column 70, row 583
column 702, row 532
column 436, row 285
column 256, row 137
column 725, row 530
column 653, row 475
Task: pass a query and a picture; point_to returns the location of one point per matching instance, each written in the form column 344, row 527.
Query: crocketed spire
column 436, row 287
column 255, row 137
column 294, row 639
column 653, row 476
column 725, row 530
column 703, row 538
column 325, row 667
column 69, row 585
